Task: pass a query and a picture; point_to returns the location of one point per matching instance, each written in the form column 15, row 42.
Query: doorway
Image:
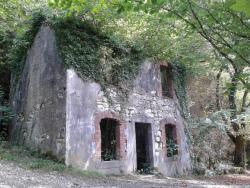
column 144, row 150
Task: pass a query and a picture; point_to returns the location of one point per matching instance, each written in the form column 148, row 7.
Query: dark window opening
column 144, row 150
column 108, row 139
column 166, row 82
column 171, row 141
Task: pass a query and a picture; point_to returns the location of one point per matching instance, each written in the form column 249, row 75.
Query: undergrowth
column 34, row 160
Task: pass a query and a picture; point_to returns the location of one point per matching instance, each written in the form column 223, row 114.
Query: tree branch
column 218, row 104
column 217, row 90
column 202, row 33
column 231, row 100
column 209, row 38
column 231, row 136
column 244, row 100
column 222, row 26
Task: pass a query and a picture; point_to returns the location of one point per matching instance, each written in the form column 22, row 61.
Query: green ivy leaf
column 242, row 5
column 154, row 2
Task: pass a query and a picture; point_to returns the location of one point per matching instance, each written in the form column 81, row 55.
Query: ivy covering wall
column 93, row 55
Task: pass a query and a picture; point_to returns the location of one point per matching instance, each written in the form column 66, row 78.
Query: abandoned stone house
column 60, row 114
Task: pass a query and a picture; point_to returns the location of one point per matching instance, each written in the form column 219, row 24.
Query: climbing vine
column 93, row 55
column 179, row 78
column 83, row 47
column 179, row 72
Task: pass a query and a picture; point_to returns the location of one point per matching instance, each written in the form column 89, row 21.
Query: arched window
column 109, row 139
column 166, row 81
column 171, row 140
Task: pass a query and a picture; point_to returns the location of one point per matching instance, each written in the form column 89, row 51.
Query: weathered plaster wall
column 86, row 102
column 80, row 108
column 39, row 98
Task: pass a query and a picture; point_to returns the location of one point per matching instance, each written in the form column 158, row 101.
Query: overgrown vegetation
column 95, row 56
column 13, row 25
column 172, row 148
column 180, row 77
column 34, row 160
column 82, row 46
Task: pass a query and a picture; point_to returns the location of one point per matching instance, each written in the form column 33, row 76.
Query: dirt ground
column 14, row 176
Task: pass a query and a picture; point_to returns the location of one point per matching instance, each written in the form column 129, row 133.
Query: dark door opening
column 144, row 149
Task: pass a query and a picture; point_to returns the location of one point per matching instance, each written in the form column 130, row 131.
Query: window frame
column 116, row 137
column 121, row 149
column 173, row 138
column 169, row 81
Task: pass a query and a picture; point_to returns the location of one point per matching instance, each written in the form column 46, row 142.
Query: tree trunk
column 240, row 151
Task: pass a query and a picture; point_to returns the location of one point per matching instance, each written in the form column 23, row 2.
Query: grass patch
column 34, row 160
column 26, row 158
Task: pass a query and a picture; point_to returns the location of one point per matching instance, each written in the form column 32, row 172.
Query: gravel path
column 13, row 176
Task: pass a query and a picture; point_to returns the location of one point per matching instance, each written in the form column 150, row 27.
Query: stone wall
column 39, row 98
column 87, row 102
